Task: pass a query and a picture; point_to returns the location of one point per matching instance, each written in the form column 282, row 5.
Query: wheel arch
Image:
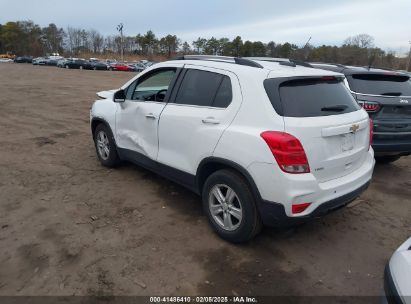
column 95, row 121
column 212, row 164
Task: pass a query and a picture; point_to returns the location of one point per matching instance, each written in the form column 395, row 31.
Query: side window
column 153, row 87
column 199, row 88
column 224, row 94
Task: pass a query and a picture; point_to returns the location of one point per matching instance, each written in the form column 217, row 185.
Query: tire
column 108, row 158
column 387, row 159
column 242, row 202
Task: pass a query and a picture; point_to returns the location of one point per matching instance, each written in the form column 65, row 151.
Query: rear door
column 324, row 116
column 388, row 100
column 193, row 121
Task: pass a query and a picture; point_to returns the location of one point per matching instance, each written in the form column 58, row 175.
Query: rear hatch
column 388, row 96
column 324, row 116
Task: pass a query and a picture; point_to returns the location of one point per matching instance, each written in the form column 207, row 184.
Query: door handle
column 150, row 116
column 210, row 121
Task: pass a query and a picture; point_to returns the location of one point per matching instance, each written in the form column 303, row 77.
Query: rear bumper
column 279, row 191
column 273, row 214
column 393, row 145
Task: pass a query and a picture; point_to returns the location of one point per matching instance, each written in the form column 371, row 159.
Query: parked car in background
column 51, row 62
column 77, row 63
column 138, row 67
column 397, row 276
column 5, row 60
column 110, row 61
column 39, row 61
column 386, row 96
column 99, row 65
column 61, row 62
column 23, row 59
column 264, row 142
column 124, row 67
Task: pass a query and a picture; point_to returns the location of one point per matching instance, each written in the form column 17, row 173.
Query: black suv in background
column 386, row 96
column 78, row 64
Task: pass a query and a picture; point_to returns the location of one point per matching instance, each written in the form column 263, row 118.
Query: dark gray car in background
column 386, row 96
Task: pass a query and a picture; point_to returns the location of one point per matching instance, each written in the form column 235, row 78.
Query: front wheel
column 230, row 206
column 106, row 146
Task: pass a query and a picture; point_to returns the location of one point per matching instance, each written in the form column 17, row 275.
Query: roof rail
column 282, row 61
column 326, row 63
column 227, row 59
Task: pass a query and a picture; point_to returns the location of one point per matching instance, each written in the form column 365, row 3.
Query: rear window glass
column 224, row 94
column 380, row 84
column 198, row 88
column 311, row 97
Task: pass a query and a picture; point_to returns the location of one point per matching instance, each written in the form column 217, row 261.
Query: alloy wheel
column 225, row 207
column 103, row 145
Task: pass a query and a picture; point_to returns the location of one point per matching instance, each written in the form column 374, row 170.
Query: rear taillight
column 371, row 133
column 370, row 106
column 288, row 152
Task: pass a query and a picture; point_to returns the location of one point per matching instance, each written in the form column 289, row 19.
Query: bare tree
column 96, row 40
column 361, row 40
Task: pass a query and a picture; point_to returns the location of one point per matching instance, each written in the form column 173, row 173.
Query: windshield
column 380, row 84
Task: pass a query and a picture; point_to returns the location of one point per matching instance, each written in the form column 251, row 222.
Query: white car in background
column 262, row 142
column 5, row 60
column 397, row 276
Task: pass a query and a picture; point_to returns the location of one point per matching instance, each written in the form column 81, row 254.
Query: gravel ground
column 69, row 226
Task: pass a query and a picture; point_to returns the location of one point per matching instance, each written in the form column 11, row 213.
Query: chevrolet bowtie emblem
column 354, row 128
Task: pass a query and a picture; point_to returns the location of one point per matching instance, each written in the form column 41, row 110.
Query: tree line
column 28, row 38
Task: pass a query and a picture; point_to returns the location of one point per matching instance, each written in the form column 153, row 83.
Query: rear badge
column 403, row 101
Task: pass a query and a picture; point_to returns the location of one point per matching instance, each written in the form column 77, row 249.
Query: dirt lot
column 68, row 226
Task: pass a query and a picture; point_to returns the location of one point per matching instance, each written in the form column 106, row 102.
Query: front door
column 137, row 118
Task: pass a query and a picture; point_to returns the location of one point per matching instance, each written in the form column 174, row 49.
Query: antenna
column 120, row 30
column 308, row 41
column 307, row 53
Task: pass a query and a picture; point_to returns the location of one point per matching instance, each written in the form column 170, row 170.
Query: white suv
column 263, row 142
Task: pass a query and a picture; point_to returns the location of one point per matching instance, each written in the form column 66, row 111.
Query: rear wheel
column 106, row 146
column 230, row 206
column 387, row 159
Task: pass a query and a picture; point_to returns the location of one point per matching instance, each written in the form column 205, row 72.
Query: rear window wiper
column 336, row 108
column 392, row 94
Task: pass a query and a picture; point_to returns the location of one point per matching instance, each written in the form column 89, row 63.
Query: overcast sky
column 328, row 22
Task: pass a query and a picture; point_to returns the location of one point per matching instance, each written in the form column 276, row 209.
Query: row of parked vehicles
column 91, row 64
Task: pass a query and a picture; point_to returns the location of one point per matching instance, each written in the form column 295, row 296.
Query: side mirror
column 120, row 96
